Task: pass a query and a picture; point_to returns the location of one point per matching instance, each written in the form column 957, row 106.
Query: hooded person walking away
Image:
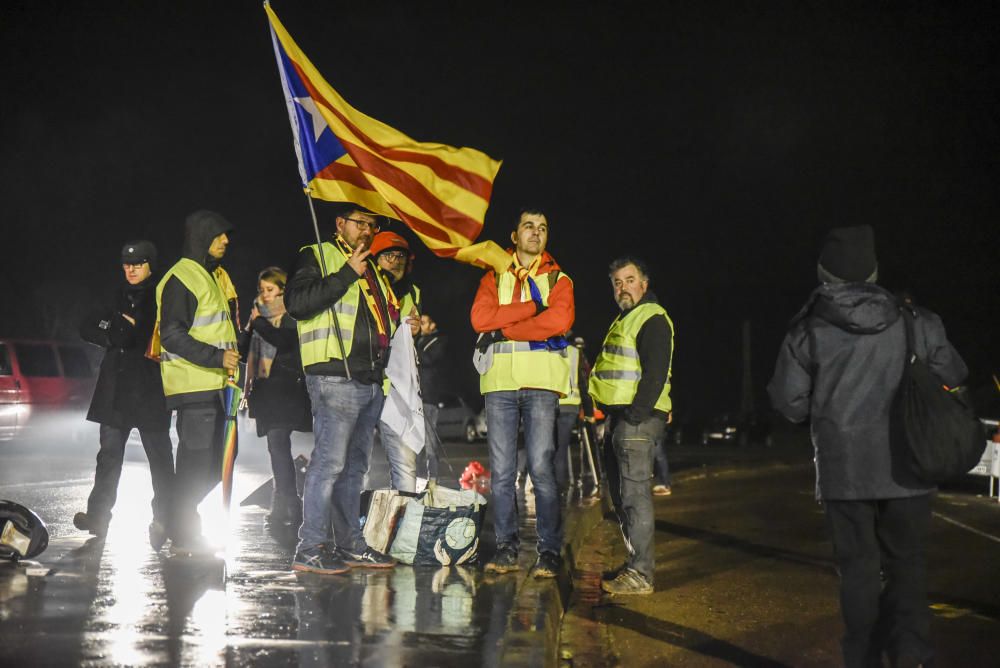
column 198, row 321
column 129, row 395
column 839, row 367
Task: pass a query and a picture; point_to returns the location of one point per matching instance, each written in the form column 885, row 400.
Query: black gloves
column 487, row 339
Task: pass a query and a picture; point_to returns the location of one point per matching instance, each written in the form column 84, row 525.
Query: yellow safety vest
column 515, row 365
column 212, row 324
column 409, row 301
column 615, row 377
column 572, row 398
column 317, row 336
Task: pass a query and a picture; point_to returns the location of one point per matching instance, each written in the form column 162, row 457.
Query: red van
column 41, row 382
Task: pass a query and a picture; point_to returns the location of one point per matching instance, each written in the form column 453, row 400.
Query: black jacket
column 308, row 294
column 839, row 366
column 129, row 392
column 431, row 354
column 280, row 400
column 654, row 343
column 178, row 304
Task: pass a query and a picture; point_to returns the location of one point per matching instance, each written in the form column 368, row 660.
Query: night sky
column 718, row 141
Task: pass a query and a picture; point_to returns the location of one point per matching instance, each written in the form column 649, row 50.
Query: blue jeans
column 345, row 413
column 504, row 412
column 628, row 454
column 402, row 460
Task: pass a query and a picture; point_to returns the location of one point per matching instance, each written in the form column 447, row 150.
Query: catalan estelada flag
column 440, row 192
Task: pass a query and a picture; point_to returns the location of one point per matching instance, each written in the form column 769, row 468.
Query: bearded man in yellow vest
column 631, row 383
column 196, row 312
column 522, row 316
column 346, row 316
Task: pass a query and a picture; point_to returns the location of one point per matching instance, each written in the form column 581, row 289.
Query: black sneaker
column 85, row 522
column 370, row 558
column 157, row 535
column 547, row 566
column 318, row 560
column 504, row 561
column 628, row 582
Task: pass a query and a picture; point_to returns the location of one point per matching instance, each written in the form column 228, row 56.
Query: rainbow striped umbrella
column 232, row 394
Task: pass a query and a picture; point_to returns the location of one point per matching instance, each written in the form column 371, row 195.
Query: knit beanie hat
column 848, row 256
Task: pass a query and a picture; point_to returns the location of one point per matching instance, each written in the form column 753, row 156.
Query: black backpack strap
column 911, row 347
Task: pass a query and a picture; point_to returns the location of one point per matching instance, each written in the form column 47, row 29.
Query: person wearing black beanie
column 839, row 367
column 848, row 256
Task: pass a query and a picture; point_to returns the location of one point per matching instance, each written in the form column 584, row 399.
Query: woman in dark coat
column 129, row 395
column 276, row 389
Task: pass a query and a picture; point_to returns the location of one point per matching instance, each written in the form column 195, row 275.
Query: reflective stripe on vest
column 317, row 336
column 211, row 325
column 410, row 301
column 615, row 378
column 515, row 365
column 572, row 398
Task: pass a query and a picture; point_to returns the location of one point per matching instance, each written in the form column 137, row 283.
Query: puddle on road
column 115, row 602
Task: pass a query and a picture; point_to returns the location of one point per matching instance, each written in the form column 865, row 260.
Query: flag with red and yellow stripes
column 438, row 191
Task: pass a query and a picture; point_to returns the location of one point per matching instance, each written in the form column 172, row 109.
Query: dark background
column 717, row 140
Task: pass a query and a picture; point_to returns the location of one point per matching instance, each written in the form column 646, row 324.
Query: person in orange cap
column 392, row 255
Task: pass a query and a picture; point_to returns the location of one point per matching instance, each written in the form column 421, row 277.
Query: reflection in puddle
column 117, row 602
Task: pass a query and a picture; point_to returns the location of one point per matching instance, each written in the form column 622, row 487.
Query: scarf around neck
column 261, row 354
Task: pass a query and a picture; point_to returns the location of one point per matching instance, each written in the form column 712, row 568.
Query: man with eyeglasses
column 346, row 316
column 522, row 316
column 393, row 257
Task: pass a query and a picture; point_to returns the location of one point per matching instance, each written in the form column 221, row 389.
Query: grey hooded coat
column 839, row 366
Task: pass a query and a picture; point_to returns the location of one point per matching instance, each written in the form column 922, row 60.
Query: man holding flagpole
column 346, row 316
column 346, row 311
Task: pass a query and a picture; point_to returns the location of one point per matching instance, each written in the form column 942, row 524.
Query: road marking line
column 995, row 539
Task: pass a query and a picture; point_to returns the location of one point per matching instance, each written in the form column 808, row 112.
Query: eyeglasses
column 364, row 224
column 396, row 255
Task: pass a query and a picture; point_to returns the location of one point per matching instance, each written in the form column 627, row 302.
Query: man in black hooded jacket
column 839, row 367
column 129, row 394
column 198, row 323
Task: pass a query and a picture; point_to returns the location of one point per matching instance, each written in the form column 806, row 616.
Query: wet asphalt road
column 115, row 602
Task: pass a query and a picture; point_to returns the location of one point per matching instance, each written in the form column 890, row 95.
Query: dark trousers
column 279, row 447
column 628, row 460
column 565, row 422
column 880, row 539
column 199, row 464
column 159, row 452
